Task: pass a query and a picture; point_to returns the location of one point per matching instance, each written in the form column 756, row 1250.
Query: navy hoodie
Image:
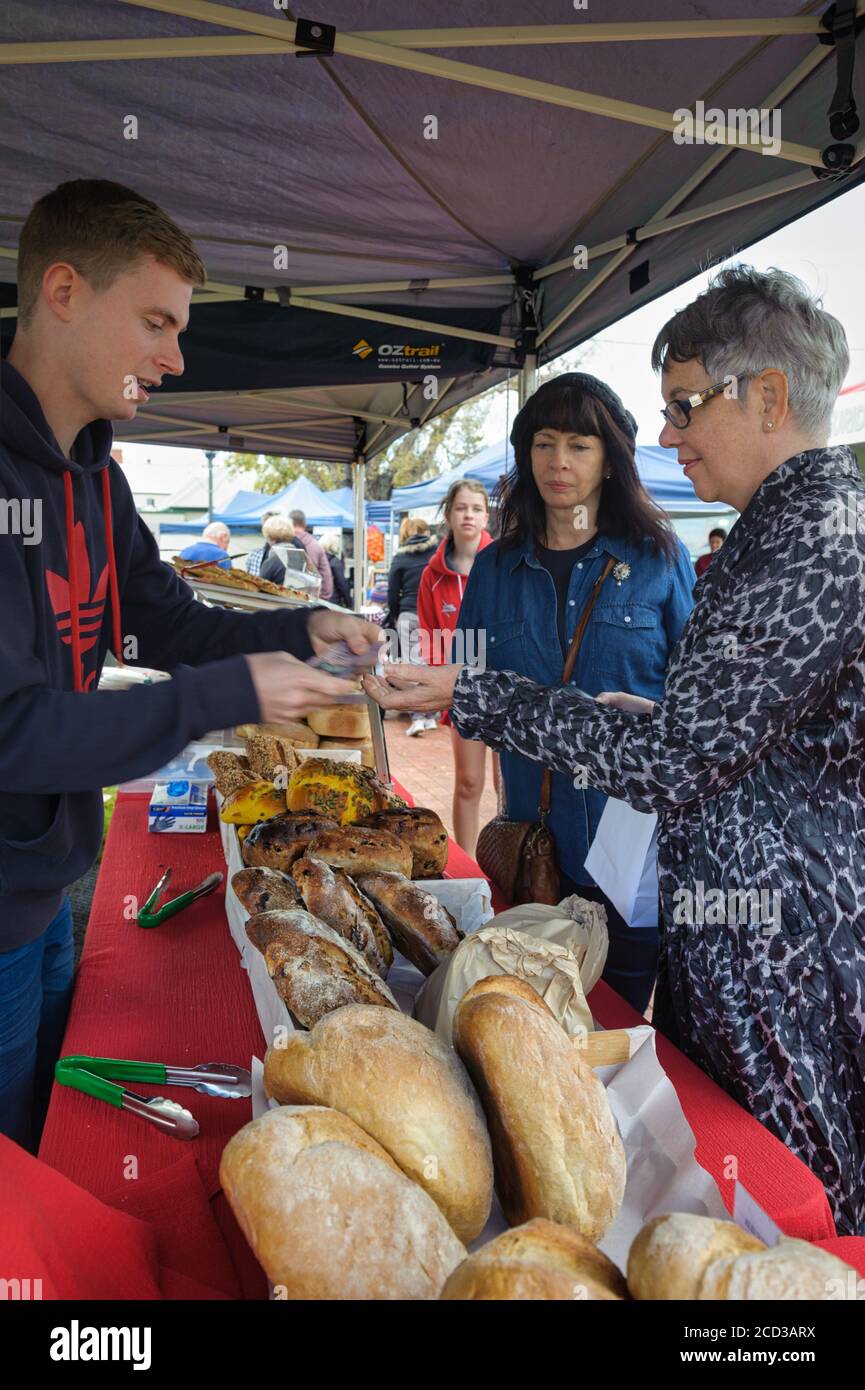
column 93, row 582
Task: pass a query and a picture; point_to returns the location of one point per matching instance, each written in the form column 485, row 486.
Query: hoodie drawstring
column 74, row 593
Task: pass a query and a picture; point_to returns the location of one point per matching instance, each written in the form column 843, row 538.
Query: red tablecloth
column 176, row 994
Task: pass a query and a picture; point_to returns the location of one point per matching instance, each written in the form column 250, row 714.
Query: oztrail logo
column 395, row 354
column 362, row 349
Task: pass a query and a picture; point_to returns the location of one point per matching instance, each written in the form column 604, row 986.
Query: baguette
column 313, row 968
column 328, row 1213
column 360, row 851
column 539, row 1260
column 407, row 1089
column 556, row 1148
column 330, row 895
column 422, row 929
column 264, row 890
column 423, row 830
column 278, row 842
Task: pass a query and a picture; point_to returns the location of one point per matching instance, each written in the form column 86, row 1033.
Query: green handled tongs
column 151, row 915
column 91, row 1075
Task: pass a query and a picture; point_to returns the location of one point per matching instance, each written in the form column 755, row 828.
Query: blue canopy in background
column 246, row 509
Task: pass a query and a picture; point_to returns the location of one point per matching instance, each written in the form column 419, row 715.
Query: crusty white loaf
column 340, row 721
column 539, row 1260
column 328, row 1213
column 556, row 1148
column 682, row 1256
column 406, row 1088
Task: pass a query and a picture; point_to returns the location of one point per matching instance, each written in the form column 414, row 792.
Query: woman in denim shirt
column 573, row 500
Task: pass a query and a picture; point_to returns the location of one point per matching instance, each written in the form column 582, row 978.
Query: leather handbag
column 519, row 856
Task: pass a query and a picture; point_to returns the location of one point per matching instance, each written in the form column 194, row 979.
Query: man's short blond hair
column 101, row 228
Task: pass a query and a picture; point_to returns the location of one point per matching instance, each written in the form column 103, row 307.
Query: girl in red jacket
column 442, row 585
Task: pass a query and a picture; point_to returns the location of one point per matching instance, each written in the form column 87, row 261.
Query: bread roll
column 360, row 851
column 293, row 731
column 406, row 1088
column 539, row 1260
column 329, row 1215
column 230, row 771
column 422, row 929
column 681, row 1256
column 251, row 803
column 272, row 758
column 363, row 745
column 422, row 830
column 340, row 721
column 264, row 890
column 330, row 895
column 507, row 984
column 280, row 841
column 313, row 968
column 556, row 1148
column 341, row 790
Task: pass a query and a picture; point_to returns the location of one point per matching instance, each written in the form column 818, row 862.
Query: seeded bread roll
column 230, row 770
column 556, row 1148
column 278, row 842
column 265, row 890
column 539, row 1260
column 272, row 758
column 360, row 851
column 421, row 928
column 422, row 830
column 330, row 895
column 407, row 1089
column 313, row 968
column 680, row 1256
column 328, row 1213
column 293, row 731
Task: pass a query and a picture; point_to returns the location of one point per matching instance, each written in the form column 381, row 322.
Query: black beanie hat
column 591, row 386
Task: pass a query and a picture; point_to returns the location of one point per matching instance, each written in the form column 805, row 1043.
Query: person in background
column 279, row 534
column 717, row 536
column 440, row 593
column 416, row 546
column 215, row 540
column 331, row 543
column 256, row 558
column 314, row 551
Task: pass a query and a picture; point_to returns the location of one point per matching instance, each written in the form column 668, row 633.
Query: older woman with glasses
column 755, row 757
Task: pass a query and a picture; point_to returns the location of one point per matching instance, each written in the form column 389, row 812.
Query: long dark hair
column 625, row 509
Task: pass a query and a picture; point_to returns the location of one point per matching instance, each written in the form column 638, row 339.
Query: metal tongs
column 90, row 1075
column 151, row 916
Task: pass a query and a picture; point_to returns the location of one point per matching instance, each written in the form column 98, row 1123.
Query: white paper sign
column 622, row 860
column 748, row 1214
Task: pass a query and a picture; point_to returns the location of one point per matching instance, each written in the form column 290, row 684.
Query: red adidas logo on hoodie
column 89, row 610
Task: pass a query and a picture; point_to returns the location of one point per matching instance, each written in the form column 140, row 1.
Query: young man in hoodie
column 105, row 280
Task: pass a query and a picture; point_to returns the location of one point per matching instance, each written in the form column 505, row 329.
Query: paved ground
column 425, row 766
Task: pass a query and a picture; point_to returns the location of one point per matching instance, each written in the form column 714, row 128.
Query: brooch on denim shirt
column 621, row 571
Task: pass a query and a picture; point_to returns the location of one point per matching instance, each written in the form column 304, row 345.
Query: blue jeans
column 35, row 992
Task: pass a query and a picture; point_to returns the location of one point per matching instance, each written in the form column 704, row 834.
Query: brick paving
column 425, row 766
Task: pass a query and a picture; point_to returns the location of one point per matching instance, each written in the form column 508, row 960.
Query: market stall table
column 176, row 994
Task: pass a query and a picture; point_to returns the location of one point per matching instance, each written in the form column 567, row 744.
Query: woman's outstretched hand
column 421, row 688
column 631, row 704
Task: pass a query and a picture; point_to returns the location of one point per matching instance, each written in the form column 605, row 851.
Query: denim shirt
column 627, row 644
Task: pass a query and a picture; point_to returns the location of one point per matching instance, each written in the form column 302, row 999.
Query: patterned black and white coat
column 755, row 762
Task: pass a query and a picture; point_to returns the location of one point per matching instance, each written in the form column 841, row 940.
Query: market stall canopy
column 395, row 218
column 320, row 508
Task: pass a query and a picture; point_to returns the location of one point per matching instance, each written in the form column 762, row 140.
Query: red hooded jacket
column 438, row 601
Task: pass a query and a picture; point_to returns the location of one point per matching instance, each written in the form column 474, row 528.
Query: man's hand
column 413, row 687
column 287, row 688
column 325, row 628
column 631, row 704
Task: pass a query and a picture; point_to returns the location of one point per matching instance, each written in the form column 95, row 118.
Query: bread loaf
column 540, row 1260
column 363, row 746
column 422, row 830
column 254, row 802
column 264, row 890
column 507, row 984
column 404, row 1087
column 340, row 721
column 313, row 968
column 230, row 771
column 360, row 851
column 341, row 790
column 329, row 1215
column 293, row 731
column 278, row 842
column 422, row 929
column 556, row 1148
column 330, row 895
column 681, row 1256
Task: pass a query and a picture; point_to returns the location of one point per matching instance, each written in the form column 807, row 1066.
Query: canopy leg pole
column 528, row 379
column 359, row 484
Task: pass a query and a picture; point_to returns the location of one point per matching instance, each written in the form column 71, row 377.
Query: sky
column 824, row 249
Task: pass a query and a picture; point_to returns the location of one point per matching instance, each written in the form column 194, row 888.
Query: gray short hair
column 277, row 528
column 748, row 321
column 216, row 528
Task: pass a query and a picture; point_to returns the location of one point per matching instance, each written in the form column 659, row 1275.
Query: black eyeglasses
column 679, row 412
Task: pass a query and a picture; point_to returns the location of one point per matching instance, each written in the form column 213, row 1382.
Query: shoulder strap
column 570, row 661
